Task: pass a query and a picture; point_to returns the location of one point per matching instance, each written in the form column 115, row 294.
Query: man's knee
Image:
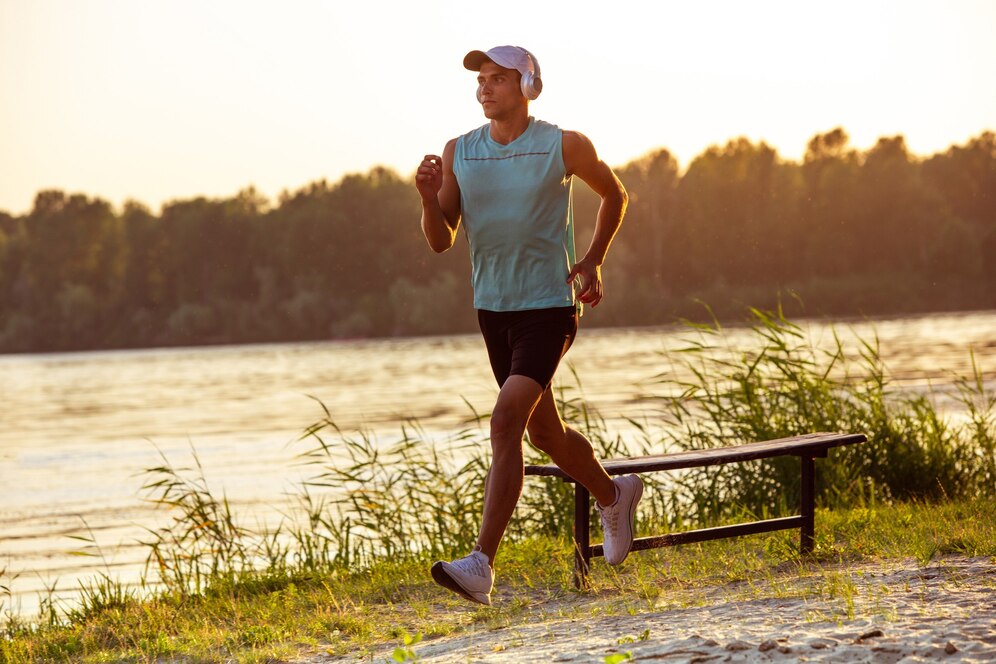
column 506, row 429
column 546, row 437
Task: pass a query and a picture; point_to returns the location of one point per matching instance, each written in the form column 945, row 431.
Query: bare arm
column 581, row 160
column 440, row 194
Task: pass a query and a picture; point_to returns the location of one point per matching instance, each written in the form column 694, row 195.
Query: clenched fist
column 429, row 177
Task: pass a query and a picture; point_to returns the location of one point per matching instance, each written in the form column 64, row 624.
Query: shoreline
column 676, row 326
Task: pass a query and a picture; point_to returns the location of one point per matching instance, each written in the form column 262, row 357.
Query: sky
column 160, row 100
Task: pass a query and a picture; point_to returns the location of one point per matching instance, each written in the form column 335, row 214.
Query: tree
column 828, row 210
column 651, row 232
column 735, row 207
column 965, row 177
column 897, row 210
column 71, row 241
column 853, row 232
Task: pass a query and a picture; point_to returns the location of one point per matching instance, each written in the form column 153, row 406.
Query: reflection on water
column 79, row 428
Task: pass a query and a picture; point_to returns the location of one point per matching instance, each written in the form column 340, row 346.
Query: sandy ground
column 885, row 612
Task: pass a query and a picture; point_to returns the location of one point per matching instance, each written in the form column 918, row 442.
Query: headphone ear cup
column 532, row 85
column 526, row 85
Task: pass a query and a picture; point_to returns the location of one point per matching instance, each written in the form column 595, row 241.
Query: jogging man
column 509, row 183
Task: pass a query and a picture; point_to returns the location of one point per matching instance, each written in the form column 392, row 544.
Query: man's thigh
column 528, row 343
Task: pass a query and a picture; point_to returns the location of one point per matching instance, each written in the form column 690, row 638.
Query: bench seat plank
column 813, row 444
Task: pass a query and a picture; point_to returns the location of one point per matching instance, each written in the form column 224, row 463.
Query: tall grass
column 203, row 543
column 395, row 501
column 415, row 497
column 782, row 383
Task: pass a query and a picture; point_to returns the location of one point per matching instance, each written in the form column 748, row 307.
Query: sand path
column 893, row 611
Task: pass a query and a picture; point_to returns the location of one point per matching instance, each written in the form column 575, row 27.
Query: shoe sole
column 632, row 513
column 440, row 576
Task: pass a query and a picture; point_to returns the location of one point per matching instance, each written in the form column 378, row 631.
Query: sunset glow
column 156, row 101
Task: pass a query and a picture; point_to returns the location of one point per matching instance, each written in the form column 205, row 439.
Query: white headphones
column 529, row 82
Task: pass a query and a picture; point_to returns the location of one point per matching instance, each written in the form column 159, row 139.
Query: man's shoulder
column 575, row 140
column 476, row 132
column 573, row 135
column 578, row 151
column 544, row 128
column 471, row 141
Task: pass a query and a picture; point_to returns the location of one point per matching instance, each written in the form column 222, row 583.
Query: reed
column 203, row 543
column 781, row 383
column 96, row 595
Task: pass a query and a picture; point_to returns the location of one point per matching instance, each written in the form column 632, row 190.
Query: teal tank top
column 516, row 205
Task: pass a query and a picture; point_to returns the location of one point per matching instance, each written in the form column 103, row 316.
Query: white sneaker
column 470, row 577
column 617, row 518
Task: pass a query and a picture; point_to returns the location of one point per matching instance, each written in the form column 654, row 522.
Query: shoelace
column 471, row 564
column 610, row 521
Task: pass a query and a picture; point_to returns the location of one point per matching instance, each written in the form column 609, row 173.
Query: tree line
column 843, row 232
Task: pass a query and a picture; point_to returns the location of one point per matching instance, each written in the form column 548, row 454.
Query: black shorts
column 528, row 343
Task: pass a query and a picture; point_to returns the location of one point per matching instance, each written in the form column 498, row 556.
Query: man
column 509, row 183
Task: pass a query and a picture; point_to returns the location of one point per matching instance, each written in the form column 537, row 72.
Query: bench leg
column 582, row 541
column 807, row 506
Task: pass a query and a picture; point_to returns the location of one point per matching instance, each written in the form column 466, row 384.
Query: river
column 78, row 429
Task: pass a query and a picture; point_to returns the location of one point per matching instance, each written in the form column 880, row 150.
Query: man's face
column 498, row 91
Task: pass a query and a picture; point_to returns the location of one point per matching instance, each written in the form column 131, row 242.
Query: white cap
column 509, row 57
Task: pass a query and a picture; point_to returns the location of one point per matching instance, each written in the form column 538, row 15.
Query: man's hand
column 429, row 177
column 590, row 291
column 440, row 193
column 581, row 160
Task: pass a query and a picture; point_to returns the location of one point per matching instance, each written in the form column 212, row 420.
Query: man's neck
column 505, row 131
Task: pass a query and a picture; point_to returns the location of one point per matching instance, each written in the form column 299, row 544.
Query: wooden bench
column 806, row 447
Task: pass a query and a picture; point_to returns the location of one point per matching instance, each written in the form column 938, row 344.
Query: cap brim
column 474, row 60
